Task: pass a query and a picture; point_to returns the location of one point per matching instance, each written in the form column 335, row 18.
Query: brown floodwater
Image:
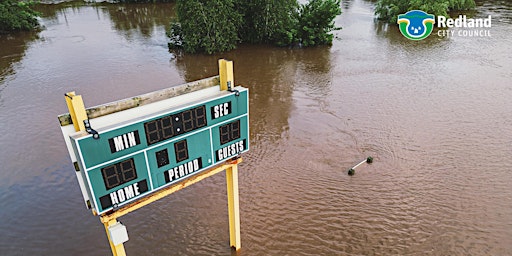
column 436, row 115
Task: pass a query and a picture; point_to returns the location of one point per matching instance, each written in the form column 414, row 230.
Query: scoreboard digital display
column 119, row 173
column 175, row 124
column 161, row 144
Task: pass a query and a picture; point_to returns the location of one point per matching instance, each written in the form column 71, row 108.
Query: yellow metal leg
column 117, row 250
column 76, row 110
column 231, row 168
column 226, row 74
column 233, row 206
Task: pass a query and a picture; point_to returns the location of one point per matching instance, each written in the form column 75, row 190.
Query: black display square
column 162, row 158
column 229, row 132
column 181, row 150
column 118, row 173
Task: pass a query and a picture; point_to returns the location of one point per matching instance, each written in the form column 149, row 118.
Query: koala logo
column 416, row 24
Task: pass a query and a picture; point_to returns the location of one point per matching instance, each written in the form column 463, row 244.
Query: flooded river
column 436, row 115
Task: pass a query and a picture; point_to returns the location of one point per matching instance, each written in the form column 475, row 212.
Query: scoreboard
column 144, row 149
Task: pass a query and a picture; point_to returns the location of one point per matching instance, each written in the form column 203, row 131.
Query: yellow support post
column 231, row 168
column 78, row 114
column 233, row 206
column 117, row 250
column 76, row 110
column 226, row 74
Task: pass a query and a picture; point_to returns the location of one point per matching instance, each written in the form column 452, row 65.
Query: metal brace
column 89, row 130
column 237, row 93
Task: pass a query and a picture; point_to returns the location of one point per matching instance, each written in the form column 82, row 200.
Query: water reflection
column 499, row 9
column 135, row 19
column 130, row 20
column 12, row 51
column 346, row 4
column 55, row 12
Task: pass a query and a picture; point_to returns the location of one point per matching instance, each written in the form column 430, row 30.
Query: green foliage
column 17, row 15
column 268, row 21
column 286, row 22
column 316, row 20
column 205, row 26
column 389, row 10
column 218, row 25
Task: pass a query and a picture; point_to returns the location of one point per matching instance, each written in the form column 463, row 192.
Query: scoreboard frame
column 124, row 163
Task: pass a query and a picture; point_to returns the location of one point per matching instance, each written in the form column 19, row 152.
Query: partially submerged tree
column 16, row 15
column 205, row 26
column 268, row 21
column 316, row 20
column 280, row 23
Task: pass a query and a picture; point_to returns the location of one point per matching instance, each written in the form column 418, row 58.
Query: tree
column 205, row 26
column 218, row 25
column 388, row 10
column 268, row 21
column 17, row 15
column 316, row 20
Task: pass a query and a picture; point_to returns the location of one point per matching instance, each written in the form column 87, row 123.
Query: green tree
column 316, row 20
column 268, row 21
column 389, row 10
column 205, row 26
column 218, row 25
column 16, row 15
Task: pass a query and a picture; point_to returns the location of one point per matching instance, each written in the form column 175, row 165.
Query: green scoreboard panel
column 155, row 146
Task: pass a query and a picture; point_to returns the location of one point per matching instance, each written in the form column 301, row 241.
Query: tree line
column 17, row 15
column 220, row 25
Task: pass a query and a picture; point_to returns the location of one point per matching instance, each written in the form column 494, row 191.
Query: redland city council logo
column 418, row 25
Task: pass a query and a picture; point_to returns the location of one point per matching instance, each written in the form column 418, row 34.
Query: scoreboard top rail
column 111, row 121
